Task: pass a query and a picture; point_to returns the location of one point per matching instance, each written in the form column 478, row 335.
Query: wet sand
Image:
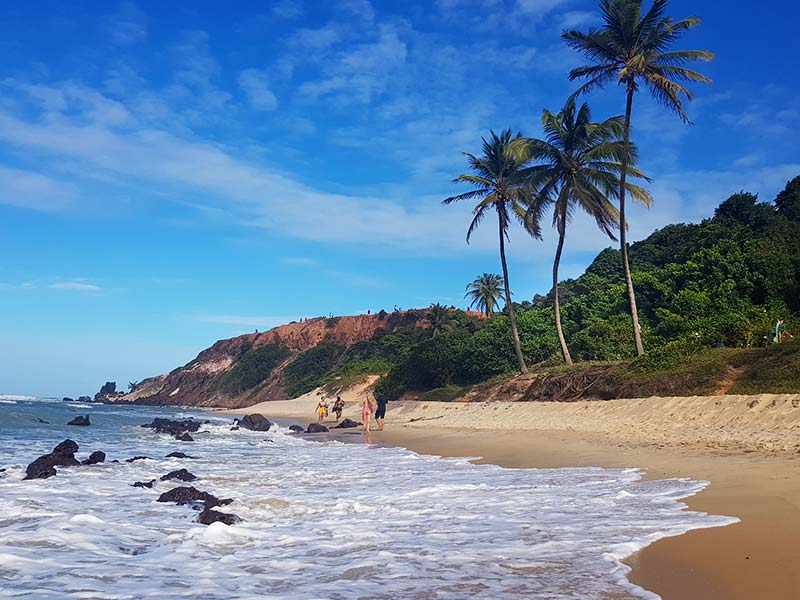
column 758, row 558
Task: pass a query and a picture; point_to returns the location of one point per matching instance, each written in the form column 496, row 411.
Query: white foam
column 329, row 520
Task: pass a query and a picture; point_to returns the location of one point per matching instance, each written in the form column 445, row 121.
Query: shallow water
column 321, row 520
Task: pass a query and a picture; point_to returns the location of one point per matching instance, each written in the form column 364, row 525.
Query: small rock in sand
column 348, row 424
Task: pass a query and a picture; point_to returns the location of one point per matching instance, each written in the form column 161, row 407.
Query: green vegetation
column 485, row 293
column 633, row 48
column 309, row 369
column 252, row 368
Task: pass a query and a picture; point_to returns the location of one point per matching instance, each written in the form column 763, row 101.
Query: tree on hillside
column 441, row 319
column 632, row 47
column 579, row 169
column 501, row 185
column 788, row 200
column 485, row 292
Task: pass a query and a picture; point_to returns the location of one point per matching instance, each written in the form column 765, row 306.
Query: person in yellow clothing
column 322, row 410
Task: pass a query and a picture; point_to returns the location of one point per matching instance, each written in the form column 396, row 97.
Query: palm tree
column 580, row 166
column 501, row 185
column 631, row 48
column 485, row 292
column 441, row 319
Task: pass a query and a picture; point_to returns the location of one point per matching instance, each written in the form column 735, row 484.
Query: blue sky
column 176, row 173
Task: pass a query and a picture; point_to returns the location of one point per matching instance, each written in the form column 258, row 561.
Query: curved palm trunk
column 623, row 234
column 522, row 366
column 556, row 304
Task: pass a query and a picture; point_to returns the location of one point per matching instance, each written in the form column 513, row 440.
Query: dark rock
column 235, row 428
column 63, row 455
column 95, row 457
column 316, row 428
column 171, row 427
column 144, row 484
column 108, row 389
column 135, row 458
column 188, row 494
column 115, row 461
column 178, row 455
column 181, row 474
column 255, row 422
column 81, row 420
column 296, row 429
column 185, row 437
column 66, row 399
column 208, row 516
column 84, row 399
column 40, row 420
column 348, row 424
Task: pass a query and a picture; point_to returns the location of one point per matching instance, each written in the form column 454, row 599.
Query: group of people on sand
column 371, row 407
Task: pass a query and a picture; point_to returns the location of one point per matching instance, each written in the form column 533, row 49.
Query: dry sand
column 746, row 446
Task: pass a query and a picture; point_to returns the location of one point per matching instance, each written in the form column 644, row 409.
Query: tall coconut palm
column 630, row 48
column 579, row 168
column 441, row 319
column 485, row 292
column 501, row 185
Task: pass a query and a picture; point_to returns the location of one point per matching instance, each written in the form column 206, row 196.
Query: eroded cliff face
column 198, row 382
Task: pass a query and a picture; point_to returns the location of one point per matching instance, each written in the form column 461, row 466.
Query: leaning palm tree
column 630, row 48
column 579, row 168
column 485, row 292
column 501, row 185
column 441, row 319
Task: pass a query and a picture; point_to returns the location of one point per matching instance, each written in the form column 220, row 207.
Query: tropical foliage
column 633, row 47
column 485, row 293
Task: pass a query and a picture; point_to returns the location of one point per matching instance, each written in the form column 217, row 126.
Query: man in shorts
column 380, row 411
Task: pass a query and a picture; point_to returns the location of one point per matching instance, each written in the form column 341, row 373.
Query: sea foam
column 323, row 520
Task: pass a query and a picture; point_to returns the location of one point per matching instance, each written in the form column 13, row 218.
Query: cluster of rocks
column 81, row 399
column 202, row 501
column 63, row 455
column 180, row 430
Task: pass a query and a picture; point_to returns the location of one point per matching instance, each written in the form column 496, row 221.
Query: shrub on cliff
column 252, row 368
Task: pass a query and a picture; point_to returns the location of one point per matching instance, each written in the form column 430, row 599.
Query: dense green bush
column 308, row 370
column 252, row 368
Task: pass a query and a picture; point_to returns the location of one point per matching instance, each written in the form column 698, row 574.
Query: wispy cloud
column 76, row 286
column 255, row 85
column 299, row 261
column 126, row 26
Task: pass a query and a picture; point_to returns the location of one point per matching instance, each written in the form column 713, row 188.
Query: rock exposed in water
column 348, row 424
column 296, row 429
column 62, row 455
column 82, row 420
column 235, row 428
column 188, row 494
column 208, row 516
column 135, row 458
column 178, row 455
column 40, row 420
column 95, row 457
column 180, row 474
column 144, row 484
column 184, row 437
column 67, row 399
column 84, row 399
column 316, row 428
column 172, row 427
column 255, row 422
column 108, row 389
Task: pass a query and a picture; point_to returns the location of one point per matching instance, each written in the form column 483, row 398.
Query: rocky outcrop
column 316, row 428
column 348, row 424
column 178, row 455
column 135, row 458
column 296, row 429
column 198, row 382
column 144, row 484
column 81, row 421
column 184, row 437
column 173, row 427
column 255, row 422
column 188, row 494
column 107, row 391
column 209, row 516
column 63, row 455
column 180, row 475
column 95, row 457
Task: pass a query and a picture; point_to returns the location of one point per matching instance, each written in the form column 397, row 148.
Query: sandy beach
column 747, row 447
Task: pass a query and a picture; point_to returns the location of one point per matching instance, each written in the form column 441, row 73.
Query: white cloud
column 255, row 84
column 75, row 286
column 126, row 26
column 287, row 9
column 33, row 190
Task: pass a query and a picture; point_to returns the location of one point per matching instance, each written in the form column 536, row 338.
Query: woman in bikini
column 366, row 412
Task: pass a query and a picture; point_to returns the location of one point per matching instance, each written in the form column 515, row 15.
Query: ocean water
column 320, row 519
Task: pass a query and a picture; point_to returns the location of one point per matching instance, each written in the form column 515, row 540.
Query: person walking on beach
column 322, row 410
column 338, row 407
column 366, row 412
column 380, row 412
